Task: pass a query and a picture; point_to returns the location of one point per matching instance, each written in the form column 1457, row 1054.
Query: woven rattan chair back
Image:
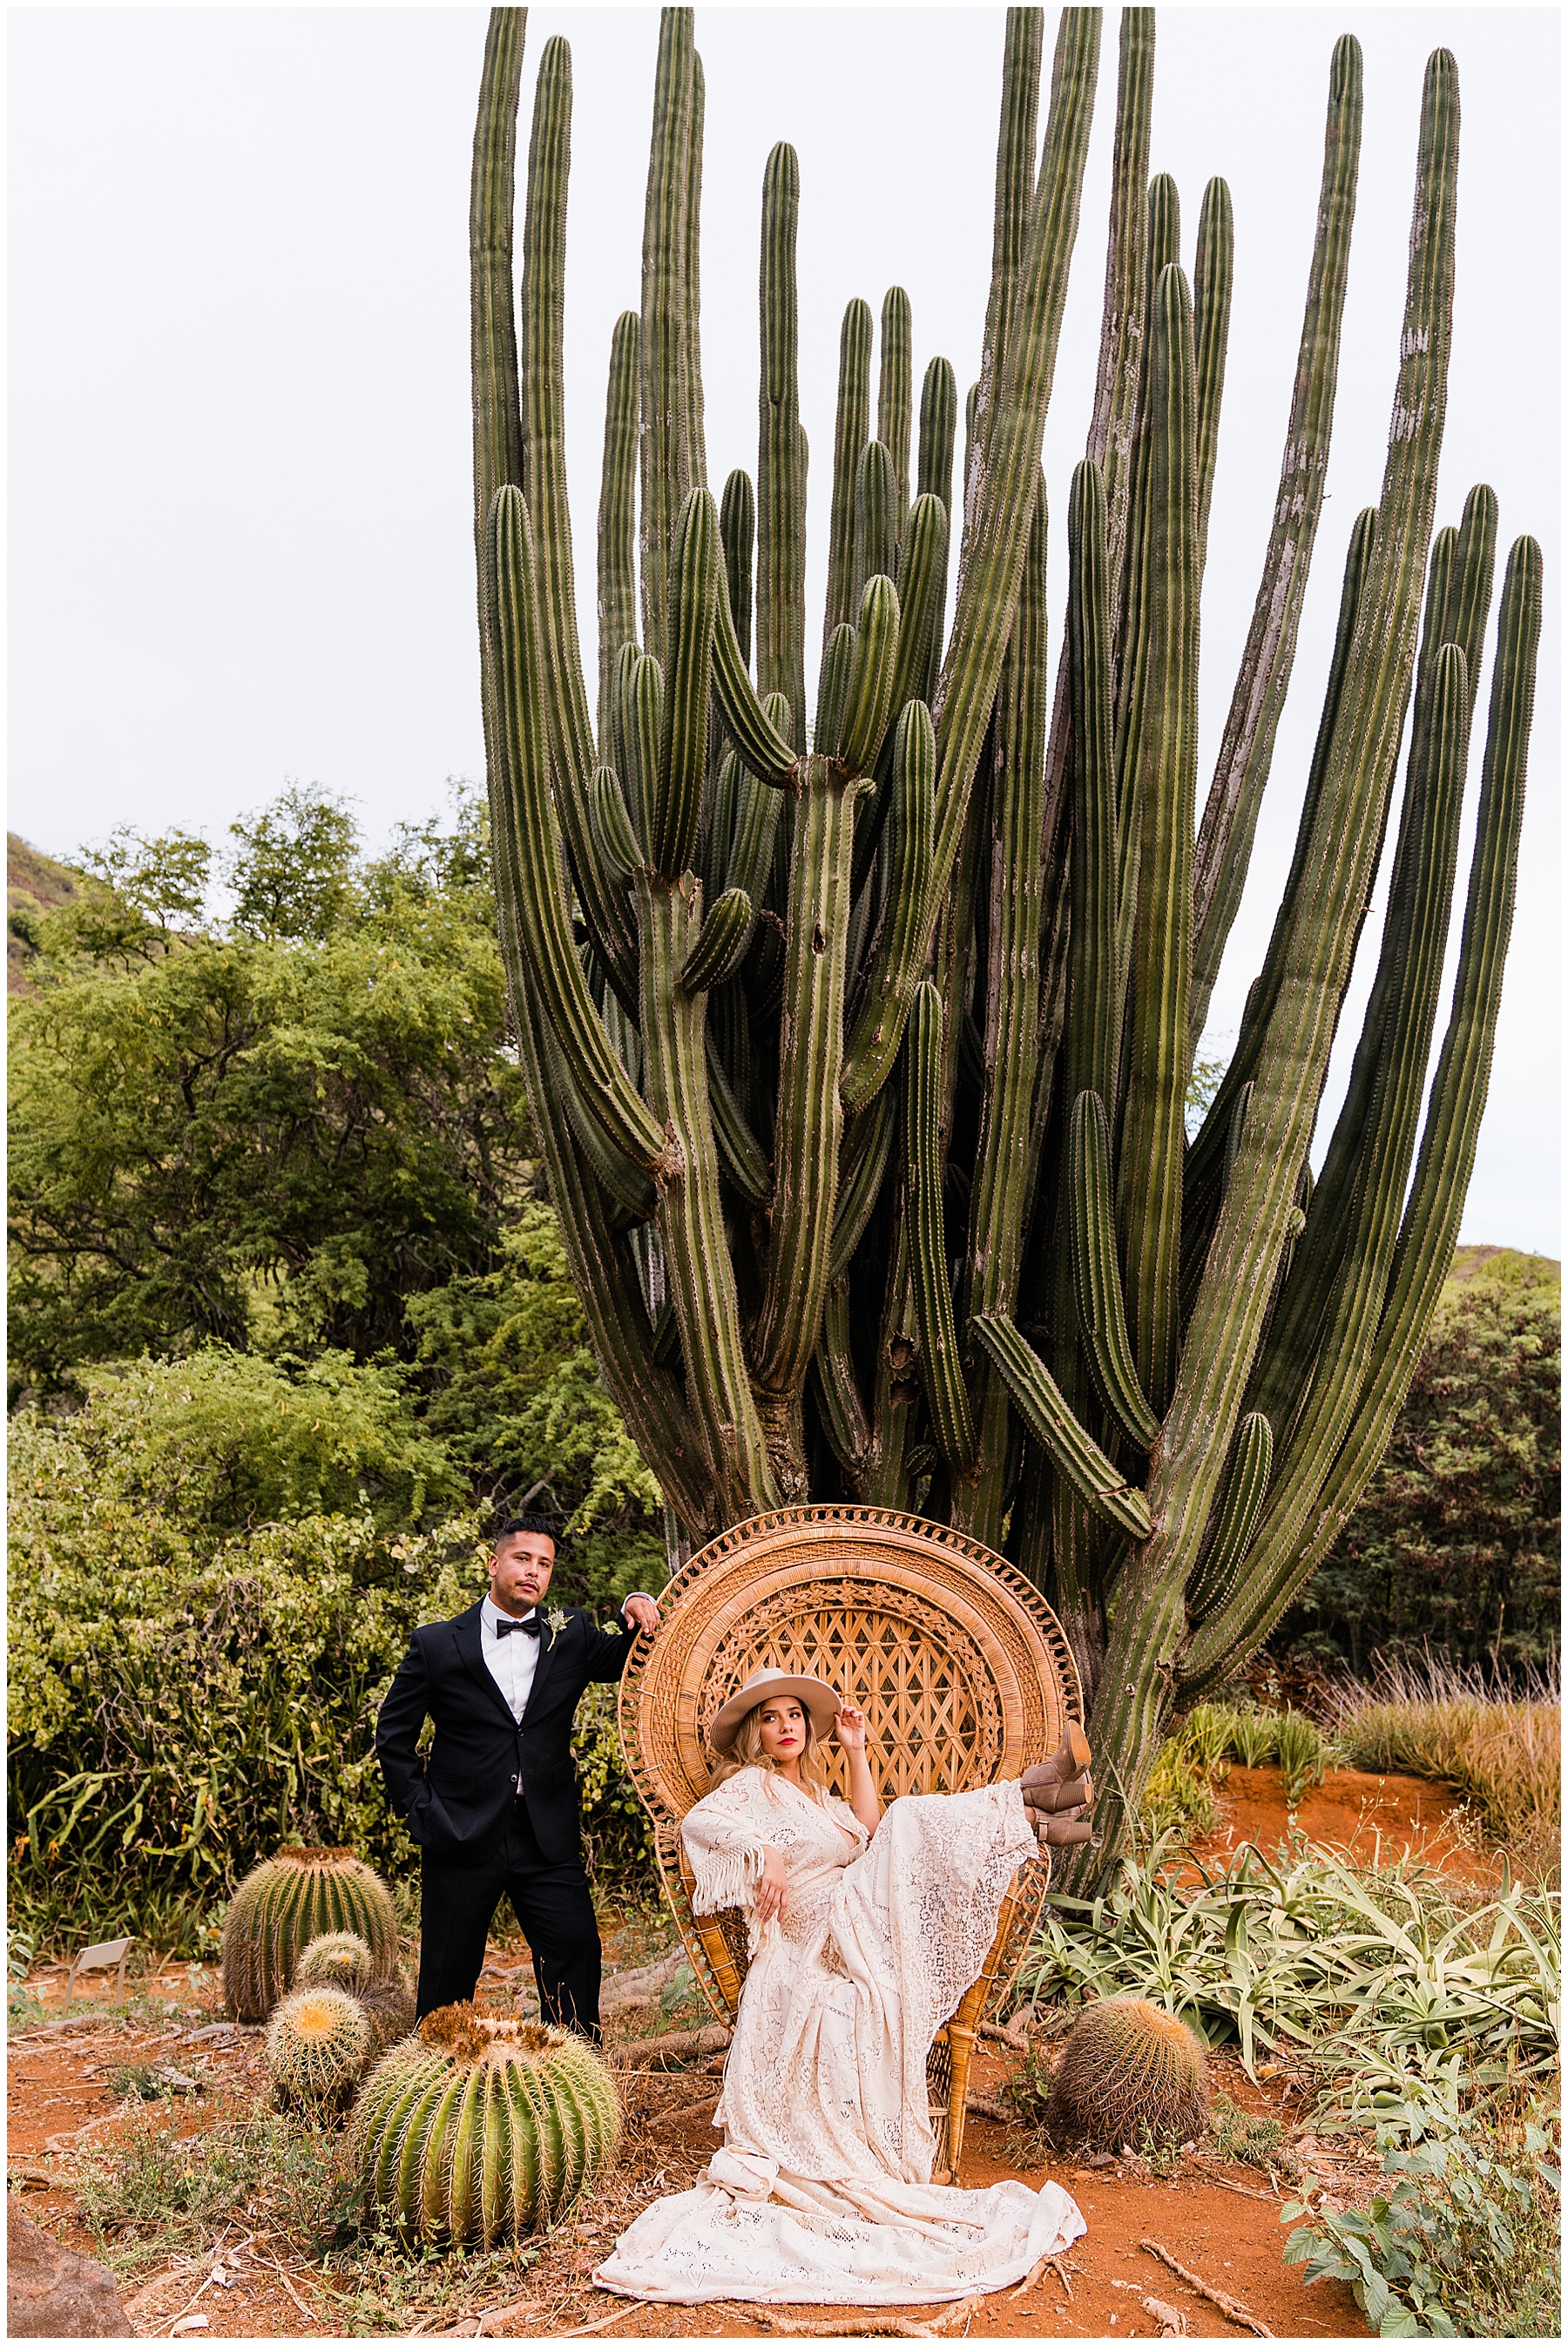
column 959, row 1665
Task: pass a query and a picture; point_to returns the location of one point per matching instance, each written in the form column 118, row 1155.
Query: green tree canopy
column 270, row 1131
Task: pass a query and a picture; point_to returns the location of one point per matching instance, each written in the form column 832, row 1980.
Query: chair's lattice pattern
column 961, row 1667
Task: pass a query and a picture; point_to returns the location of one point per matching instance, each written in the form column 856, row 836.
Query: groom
column 493, row 1806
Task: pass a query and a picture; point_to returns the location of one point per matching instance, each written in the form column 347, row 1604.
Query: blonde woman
column 865, row 1927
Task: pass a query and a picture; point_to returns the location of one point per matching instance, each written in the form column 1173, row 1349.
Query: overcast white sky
column 240, row 545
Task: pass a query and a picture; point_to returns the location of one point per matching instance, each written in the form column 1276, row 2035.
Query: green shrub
column 1302, row 1753
column 1502, row 1749
column 182, row 1704
column 1176, row 1797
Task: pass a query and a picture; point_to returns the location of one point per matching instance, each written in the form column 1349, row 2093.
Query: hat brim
column 821, row 1702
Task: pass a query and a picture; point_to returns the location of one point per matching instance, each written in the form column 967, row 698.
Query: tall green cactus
column 859, row 1044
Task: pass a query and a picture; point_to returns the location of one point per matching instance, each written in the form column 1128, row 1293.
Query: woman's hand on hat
column 849, row 1726
column 771, row 1889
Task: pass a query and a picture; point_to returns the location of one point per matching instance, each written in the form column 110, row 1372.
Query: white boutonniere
column 554, row 1620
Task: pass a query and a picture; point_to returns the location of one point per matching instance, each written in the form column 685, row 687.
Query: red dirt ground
column 1221, row 2222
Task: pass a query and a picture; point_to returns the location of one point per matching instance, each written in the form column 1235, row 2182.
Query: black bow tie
column 529, row 1628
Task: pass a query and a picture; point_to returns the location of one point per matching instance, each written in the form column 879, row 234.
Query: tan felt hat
column 814, row 1694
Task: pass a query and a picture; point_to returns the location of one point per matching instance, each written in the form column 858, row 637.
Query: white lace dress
column 822, row 2192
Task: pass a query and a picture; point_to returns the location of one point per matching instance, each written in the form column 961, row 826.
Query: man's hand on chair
column 642, row 1612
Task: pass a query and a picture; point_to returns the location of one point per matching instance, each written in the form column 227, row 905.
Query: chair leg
column 961, row 2041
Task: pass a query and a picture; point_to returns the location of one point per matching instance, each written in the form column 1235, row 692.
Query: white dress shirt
column 510, row 1660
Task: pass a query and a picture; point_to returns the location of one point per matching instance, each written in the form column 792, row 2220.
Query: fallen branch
column 551, row 2334
column 682, row 2109
column 1231, row 2305
column 1016, row 2041
column 866, row 2324
column 1244, row 2189
column 1172, row 2322
column 981, row 2105
column 689, row 2043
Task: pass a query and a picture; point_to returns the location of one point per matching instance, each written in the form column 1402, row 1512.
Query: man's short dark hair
column 540, row 1524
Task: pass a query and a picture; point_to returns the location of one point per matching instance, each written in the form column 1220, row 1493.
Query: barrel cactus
column 318, row 2044
column 341, row 1959
column 297, row 1895
column 478, row 2130
column 1129, row 2072
column 859, row 1045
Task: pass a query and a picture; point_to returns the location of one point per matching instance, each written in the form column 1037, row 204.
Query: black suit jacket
column 456, row 1800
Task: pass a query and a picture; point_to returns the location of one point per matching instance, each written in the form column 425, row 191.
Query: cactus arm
column 809, row 1122
column 721, row 947
column 867, row 1149
column 1458, row 592
column 922, row 573
column 737, row 540
column 718, row 827
column 1218, row 1575
column 694, row 597
column 739, row 1152
column 690, row 1215
column 1153, row 1138
column 1246, row 745
column 696, row 437
column 781, row 457
column 938, row 429
column 896, row 1395
column 839, row 1408
column 1407, row 984
column 941, row 1371
column 1314, row 958
column 833, row 687
column 624, row 1183
column 1040, row 1405
column 756, row 811
column 616, row 841
column 1092, row 1035
column 999, row 505
column 876, row 517
column 1214, row 272
column 869, row 699
column 1096, row 1280
column 1021, row 57
column 618, row 519
column 543, row 383
column 1015, row 806
column 493, row 332
column 851, row 430
column 1429, row 1230
column 1203, row 1181
column 759, row 743
column 895, row 399
column 544, row 929
column 664, row 432
column 879, row 1027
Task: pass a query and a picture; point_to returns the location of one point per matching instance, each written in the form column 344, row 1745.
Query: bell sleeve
column 725, row 1843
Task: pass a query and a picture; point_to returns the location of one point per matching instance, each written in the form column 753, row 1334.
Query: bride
column 865, row 1928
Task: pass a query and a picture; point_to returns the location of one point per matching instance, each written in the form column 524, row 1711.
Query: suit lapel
column 548, row 1641
column 467, row 1633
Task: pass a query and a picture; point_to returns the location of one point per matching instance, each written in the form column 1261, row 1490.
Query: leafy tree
column 1457, row 1543
column 265, row 1137
column 515, row 1395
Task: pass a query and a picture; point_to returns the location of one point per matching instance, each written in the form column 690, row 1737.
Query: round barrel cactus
column 1129, row 2071
column 339, row 1958
column 478, row 2130
column 297, row 1895
column 317, row 2047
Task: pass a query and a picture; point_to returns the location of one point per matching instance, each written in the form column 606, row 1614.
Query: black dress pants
column 458, row 1903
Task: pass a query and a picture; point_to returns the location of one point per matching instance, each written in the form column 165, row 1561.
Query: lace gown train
column 822, row 2192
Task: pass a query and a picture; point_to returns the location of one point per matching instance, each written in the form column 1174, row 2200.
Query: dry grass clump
column 1502, row 1749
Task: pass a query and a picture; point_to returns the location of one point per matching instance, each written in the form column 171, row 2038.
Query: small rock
column 51, row 2290
column 192, row 2322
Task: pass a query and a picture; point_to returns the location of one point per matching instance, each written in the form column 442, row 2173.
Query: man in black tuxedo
column 494, row 1807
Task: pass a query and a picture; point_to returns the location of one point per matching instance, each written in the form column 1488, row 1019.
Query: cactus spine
column 1129, row 2072
column 859, row 1073
column 297, row 1895
column 476, row 2130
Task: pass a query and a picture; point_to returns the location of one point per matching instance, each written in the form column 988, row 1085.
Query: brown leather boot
column 1062, row 1781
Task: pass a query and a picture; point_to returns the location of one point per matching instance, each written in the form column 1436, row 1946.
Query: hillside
column 1503, row 1266
column 33, row 883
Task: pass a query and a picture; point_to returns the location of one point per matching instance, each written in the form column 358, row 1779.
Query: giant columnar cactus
column 859, row 1047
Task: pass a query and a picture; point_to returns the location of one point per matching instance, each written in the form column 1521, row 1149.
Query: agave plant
column 858, row 1039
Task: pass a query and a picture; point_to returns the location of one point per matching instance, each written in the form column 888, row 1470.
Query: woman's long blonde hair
column 746, row 1749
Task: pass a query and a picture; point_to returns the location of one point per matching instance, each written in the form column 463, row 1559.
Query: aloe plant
column 858, row 1037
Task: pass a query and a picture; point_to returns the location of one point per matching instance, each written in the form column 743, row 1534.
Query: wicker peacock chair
column 961, row 1670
